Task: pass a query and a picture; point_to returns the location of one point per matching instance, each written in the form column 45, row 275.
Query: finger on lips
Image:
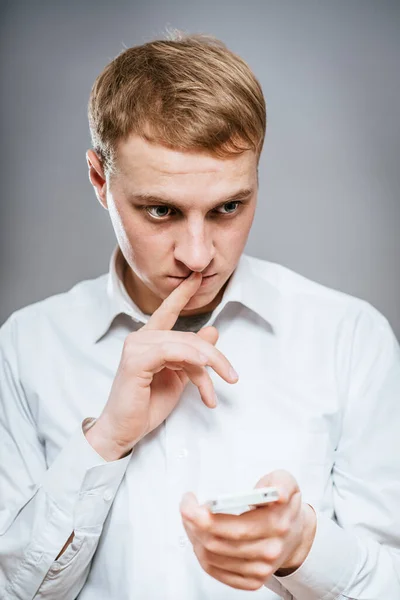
column 162, row 321
column 167, row 313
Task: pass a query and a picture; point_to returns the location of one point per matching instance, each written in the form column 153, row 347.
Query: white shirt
column 318, row 394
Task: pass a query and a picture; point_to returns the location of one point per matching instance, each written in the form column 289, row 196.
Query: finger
column 233, row 579
column 253, row 525
column 154, row 359
column 190, row 509
column 167, row 313
column 257, row 569
column 285, row 483
column 200, row 377
column 216, row 359
column 209, row 334
column 265, row 549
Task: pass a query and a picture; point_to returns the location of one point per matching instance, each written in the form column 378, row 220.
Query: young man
column 121, row 412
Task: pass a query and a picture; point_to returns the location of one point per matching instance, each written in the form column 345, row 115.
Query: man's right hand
column 155, row 367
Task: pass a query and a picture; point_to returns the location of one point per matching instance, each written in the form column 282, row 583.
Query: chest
column 282, row 413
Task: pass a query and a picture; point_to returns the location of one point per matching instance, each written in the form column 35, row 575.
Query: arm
column 41, row 507
column 357, row 554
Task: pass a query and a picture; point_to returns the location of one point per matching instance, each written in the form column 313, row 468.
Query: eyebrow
column 144, row 198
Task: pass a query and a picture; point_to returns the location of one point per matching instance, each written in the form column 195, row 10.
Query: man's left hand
column 244, row 551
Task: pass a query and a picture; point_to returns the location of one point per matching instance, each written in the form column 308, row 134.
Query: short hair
column 189, row 92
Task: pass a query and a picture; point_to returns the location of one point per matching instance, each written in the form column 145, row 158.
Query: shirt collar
column 246, row 286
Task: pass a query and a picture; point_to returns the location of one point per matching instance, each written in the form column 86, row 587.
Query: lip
column 204, row 276
column 207, row 280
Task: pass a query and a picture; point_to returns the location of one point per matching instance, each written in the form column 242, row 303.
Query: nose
column 195, row 247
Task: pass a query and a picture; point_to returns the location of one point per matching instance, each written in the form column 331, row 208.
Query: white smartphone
column 236, row 504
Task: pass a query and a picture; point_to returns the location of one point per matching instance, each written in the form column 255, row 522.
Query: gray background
column 328, row 205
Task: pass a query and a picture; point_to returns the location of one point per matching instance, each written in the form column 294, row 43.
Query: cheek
column 146, row 250
column 234, row 238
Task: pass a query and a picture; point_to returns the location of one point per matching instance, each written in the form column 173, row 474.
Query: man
column 121, row 412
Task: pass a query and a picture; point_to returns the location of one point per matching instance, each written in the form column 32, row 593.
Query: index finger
column 165, row 316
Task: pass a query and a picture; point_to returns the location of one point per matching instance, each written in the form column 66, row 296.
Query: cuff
column 82, row 483
column 329, row 565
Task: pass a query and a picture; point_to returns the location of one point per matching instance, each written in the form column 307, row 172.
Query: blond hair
column 188, row 93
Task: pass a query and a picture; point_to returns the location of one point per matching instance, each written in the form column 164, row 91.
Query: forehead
column 142, row 163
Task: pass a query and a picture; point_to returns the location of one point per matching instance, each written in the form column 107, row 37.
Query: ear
column 97, row 177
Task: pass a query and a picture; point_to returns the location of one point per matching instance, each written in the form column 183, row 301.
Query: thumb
column 283, row 481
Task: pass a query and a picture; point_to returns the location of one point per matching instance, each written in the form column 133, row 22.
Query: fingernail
column 233, row 374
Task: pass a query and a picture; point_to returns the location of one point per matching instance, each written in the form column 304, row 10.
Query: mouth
column 206, row 280
column 175, row 277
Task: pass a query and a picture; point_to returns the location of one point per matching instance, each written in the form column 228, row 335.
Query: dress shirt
column 318, row 395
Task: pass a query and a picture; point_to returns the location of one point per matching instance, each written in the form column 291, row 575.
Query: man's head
column 177, row 130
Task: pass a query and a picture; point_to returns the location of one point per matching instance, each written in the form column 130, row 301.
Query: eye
column 235, row 202
column 156, row 208
column 164, row 210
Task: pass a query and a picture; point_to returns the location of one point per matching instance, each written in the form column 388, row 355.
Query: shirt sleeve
column 40, row 507
column 357, row 553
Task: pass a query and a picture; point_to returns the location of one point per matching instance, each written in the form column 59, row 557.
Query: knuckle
column 263, row 572
column 189, row 336
column 210, row 544
column 206, row 556
column 254, row 585
column 202, row 553
column 272, row 552
column 283, row 527
column 163, row 347
column 128, row 364
column 131, row 343
column 203, row 559
column 169, row 351
column 204, row 531
column 128, row 343
column 238, row 534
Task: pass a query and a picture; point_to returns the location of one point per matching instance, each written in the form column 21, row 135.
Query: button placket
column 107, row 496
column 183, row 453
column 182, row 541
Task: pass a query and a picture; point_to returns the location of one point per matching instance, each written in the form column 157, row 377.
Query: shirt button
column 182, row 541
column 183, row 453
column 56, row 567
column 107, row 496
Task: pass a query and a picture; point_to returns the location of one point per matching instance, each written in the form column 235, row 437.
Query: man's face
column 177, row 212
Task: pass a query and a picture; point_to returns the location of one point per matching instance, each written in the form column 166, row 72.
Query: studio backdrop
column 328, row 204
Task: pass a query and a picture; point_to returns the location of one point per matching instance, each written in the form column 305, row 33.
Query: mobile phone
column 236, row 504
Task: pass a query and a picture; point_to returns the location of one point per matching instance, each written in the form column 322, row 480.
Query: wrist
column 299, row 555
column 103, row 443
